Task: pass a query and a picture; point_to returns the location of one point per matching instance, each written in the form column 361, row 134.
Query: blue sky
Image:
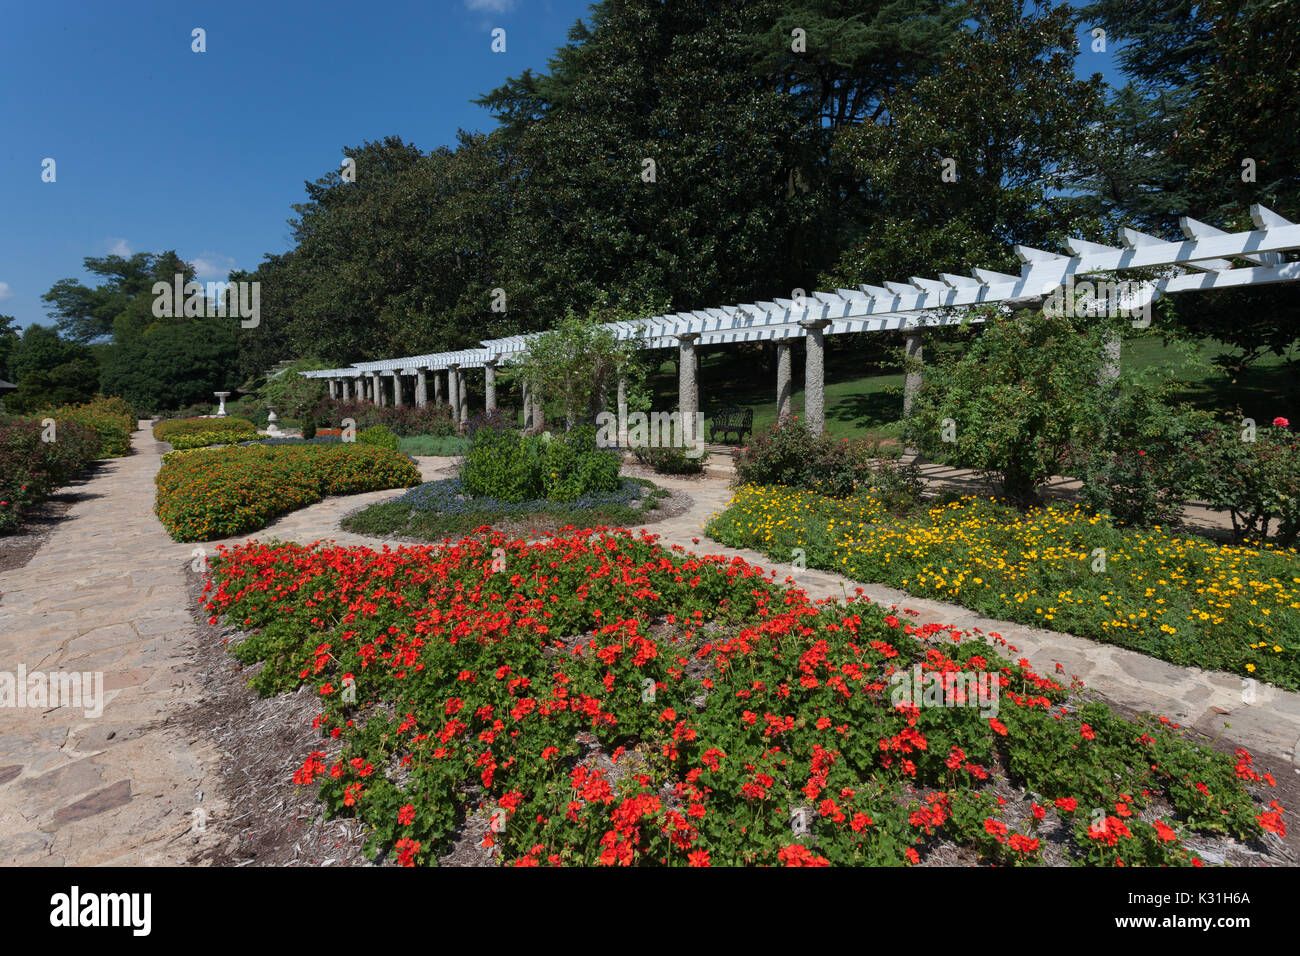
column 159, row 147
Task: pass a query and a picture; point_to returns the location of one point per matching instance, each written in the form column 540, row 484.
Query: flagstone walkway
column 107, row 592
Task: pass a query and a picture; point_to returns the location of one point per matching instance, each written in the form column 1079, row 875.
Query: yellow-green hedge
column 177, row 427
column 207, row 438
column 215, row 493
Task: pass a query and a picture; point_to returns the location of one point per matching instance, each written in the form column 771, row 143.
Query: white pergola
column 1207, row 258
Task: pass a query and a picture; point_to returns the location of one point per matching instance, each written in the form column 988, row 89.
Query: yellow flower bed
column 1183, row 598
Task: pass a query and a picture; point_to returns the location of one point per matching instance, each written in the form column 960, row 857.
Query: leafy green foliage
column 505, row 465
column 378, row 435
column 1253, row 474
column 177, row 427
column 789, row 454
column 576, row 365
column 1016, row 403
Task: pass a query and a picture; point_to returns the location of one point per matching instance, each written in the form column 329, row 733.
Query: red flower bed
column 604, row 701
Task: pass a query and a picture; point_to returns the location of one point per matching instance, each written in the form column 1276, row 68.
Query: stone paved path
column 107, row 592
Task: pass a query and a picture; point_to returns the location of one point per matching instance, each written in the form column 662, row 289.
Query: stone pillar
column 688, row 393
column 398, row 400
column 361, row 388
column 453, row 392
column 438, row 376
column 814, row 386
column 490, row 386
column 523, row 400
column 376, row 389
column 346, row 388
column 463, row 386
column 784, row 381
column 421, row 387
column 622, row 411
column 537, row 417
column 914, row 351
column 1108, row 374
column 329, row 383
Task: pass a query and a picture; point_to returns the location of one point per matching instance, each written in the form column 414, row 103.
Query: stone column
column 814, row 386
column 537, row 417
column 523, row 400
column 622, row 411
column 398, row 399
column 914, row 351
column 463, row 386
column 346, row 387
column 688, row 393
column 360, row 388
column 453, row 392
column 490, row 386
column 438, row 376
column 784, row 381
column 1108, row 374
column 376, row 389
column 421, row 387
column 329, row 383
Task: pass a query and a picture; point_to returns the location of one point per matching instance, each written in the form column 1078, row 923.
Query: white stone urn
column 221, row 397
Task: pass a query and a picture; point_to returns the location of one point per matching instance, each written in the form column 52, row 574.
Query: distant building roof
column 7, row 386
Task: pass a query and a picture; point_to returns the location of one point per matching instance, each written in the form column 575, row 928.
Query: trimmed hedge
column 216, row 493
column 207, row 439
column 184, row 427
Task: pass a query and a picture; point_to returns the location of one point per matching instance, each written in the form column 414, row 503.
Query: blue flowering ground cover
column 440, row 508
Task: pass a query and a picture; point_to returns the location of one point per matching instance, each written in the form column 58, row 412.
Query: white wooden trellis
column 1206, row 259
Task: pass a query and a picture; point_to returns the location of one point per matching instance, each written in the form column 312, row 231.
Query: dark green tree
column 1006, row 119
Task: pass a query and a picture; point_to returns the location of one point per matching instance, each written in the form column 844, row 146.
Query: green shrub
column 1142, row 470
column 505, row 465
column 502, row 464
column 897, row 487
column 308, row 426
column 789, row 454
column 670, row 461
column 1016, row 403
column 166, row 431
column 572, row 466
column 378, row 435
column 1253, row 474
column 403, row 419
column 215, row 493
column 438, row 445
column 31, row 468
column 207, row 439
